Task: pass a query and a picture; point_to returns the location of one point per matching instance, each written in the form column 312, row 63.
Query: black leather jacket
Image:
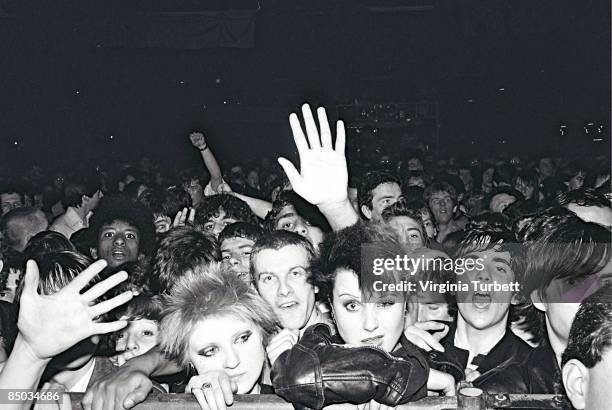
column 543, row 371
column 320, row 370
column 502, row 370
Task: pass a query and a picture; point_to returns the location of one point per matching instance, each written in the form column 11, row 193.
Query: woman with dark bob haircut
column 368, row 359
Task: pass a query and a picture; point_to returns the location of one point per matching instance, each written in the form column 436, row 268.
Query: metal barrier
column 466, row 399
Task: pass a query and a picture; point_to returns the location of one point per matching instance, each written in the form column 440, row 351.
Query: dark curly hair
column 234, row 208
column 121, row 208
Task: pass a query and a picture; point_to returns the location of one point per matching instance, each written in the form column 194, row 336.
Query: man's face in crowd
column 601, row 215
column 524, row 189
column 140, row 336
column 281, row 277
column 562, row 297
column 118, row 243
column 383, row 195
column 8, row 295
column 414, row 164
column 465, row 174
column 217, row 222
column 483, row 309
column 589, row 389
column 408, row 231
column 430, row 226
column 576, row 181
column 432, row 306
column 546, row 167
column 441, row 205
column 289, row 220
column 253, row 179
column 487, row 176
column 416, row 181
column 236, row 255
column 500, row 202
column 10, row 201
column 195, row 191
column 22, row 230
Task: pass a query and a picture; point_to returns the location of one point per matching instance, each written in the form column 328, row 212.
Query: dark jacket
column 502, row 370
column 320, row 370
column 543, row 371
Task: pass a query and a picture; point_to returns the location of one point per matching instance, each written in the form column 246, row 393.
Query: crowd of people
column 254, row 281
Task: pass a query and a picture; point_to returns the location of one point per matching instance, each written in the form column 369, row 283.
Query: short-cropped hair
column 181, row 250
column 58, row 269
column 401, row 208
column 440, row 186
column 46, row 242
column 241, row 230
column 591, row 332
column 279, row 239
column 570, row 249
column 369, row 182
column 234, row 208
column 195, row 298
column 121, row 208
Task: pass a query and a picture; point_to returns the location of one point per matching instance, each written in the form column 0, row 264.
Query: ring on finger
column 206, row 386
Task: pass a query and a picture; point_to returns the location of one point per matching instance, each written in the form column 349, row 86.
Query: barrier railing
column 466, row 399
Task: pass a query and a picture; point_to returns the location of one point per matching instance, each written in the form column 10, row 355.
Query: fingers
column 311, row 127
column 226, row 391
column 199, row 395
column 101, row 288
column 209, row 396
column 87, row 275
column 191, row 218
column 108, row 305
column 326, row 137
column 138, row 395
column 340, row 137
column 108, row 327
column 179, row 219
column 292, row 173
column 298, row 134
column 422, row 339
column 31, row 278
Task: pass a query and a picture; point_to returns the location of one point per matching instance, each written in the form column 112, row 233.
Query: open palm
column 323, row 176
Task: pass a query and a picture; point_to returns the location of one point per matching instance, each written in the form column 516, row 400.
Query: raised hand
column 184, row 217
column 323, row 176
column 198, row 140
column 50, row 324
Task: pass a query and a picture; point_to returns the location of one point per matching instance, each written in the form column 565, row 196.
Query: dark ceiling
column 76, row 73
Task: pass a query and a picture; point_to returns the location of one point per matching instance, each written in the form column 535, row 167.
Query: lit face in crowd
column 139, row 337
column 562, row 297
column 10, row 201
column 484, row 309
column 231, row 344
column 409, row 231
column 428, row 223
column 236, row 255
column 378, row 321
column 524, row 188
column 383, row 195
column 281, row 277
column 195, row 191
column 289, row 220
column 218, row 222
column 441, row 205
column 118, row 243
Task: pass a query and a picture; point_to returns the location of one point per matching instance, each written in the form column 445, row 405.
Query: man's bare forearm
column 153, row 363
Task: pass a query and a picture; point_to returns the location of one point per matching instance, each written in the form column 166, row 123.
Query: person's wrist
column 204, row 148
column 29, row 352
column 335, row 206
